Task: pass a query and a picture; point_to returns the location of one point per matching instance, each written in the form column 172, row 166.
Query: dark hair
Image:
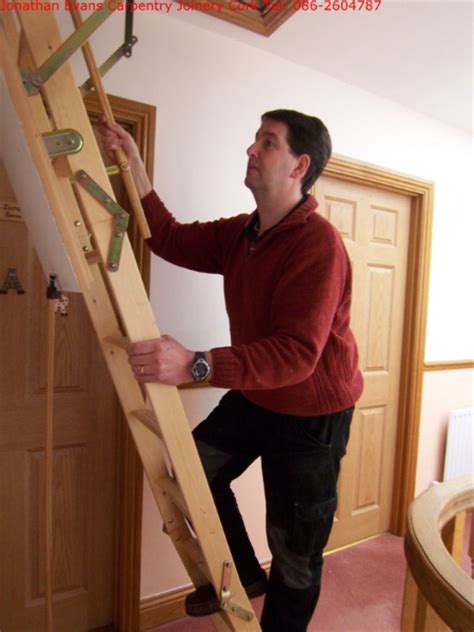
column 306, row 135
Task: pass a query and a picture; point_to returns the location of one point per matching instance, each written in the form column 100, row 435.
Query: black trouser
column 300, row 464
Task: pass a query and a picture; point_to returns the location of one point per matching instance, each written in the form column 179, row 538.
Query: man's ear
column 302, row 166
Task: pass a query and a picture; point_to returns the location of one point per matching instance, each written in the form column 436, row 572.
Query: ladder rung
column 119, row 341
column 193, row 550
column 93, row 257
column 190, row 547
column 170, row 487
column 147, row 417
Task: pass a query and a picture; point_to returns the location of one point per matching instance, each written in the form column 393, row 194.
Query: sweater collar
column 297, row 215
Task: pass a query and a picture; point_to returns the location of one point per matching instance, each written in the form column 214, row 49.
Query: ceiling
column 418, row 54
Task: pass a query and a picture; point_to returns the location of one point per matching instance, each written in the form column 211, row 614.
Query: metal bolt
column 85, row 248
column 77, row 223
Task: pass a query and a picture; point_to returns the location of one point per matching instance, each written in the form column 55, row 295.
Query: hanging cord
column 56, row 301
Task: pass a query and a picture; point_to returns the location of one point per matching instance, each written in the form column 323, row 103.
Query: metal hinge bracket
column 34, row 80
column 121, row 217
column 225, row 595
column 63, row 142
column 124, row 50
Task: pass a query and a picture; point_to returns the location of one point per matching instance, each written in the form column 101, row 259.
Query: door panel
column 84, row 457
column 375, row 227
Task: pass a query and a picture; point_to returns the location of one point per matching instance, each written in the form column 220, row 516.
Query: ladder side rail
column 135, row 312
column 11, row 32
column 107, row 328
column 95, row 293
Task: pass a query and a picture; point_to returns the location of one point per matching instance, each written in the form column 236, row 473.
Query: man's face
column 271, row 166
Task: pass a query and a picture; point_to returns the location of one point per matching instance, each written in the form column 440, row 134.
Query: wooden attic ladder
column 80, row 201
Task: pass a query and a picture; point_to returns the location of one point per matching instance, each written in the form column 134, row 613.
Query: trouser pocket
column 312, row 524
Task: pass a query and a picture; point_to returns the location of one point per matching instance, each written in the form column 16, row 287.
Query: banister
column 443, row 583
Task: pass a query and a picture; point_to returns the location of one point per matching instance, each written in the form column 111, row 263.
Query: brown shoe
column 203, row 601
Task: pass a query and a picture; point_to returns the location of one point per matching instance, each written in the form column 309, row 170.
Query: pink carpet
column 362, row 591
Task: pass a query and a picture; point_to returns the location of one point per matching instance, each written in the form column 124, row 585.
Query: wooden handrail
column 442, row 582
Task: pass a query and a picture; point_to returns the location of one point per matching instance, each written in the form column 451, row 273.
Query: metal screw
column 85, row 248
column 77, row 223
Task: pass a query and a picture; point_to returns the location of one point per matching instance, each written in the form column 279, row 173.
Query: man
column 291, row 367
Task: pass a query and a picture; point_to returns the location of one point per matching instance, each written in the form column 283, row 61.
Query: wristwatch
column 200, row 369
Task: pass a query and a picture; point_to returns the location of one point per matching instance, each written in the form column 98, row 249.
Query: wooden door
column 85, row 429
column 375, row 227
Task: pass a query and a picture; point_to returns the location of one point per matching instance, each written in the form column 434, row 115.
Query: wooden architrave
column 414, row 333
column 259, row 16
column 139, row 120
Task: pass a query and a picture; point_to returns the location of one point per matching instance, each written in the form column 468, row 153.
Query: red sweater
column 288, row 298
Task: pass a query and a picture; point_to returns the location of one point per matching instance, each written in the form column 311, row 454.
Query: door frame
column 421, row 193
column 139, row 119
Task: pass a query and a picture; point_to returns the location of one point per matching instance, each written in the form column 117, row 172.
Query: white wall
column 443, row 391
column 209, row 92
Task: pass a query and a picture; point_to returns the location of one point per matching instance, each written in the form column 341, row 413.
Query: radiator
column 458, row 460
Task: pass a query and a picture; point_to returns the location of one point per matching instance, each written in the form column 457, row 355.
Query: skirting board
column 163, row 609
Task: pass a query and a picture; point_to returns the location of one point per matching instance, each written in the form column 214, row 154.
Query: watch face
column 200, row 369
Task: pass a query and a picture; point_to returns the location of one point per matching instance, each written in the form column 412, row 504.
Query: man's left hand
column 162, row 360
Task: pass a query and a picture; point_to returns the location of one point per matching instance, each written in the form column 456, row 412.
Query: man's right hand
column 114, row 137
